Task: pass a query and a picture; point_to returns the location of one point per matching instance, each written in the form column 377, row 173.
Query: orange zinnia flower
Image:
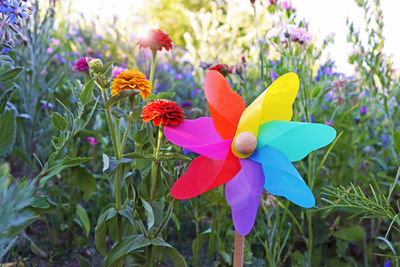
column 163, row 112
column 131, row 79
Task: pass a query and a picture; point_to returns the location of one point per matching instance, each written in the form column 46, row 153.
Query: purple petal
column 243, row 194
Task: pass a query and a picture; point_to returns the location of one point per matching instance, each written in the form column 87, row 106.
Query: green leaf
column 101, row 229
column 119, row 113
column 87, row 92
column 83, row 218
column 85, row 182
column 127, row 213
column 149, row 213
column 41, row 204
column 161, row 95
column 11, row 74
column 173, row 156
column 56, row 169
column 7, row 131
column 396, row 139
column 137, row 155
column 120, row 96
column 59, row 121
column 176, row 258
column 351, row 233
column 128, row 245
column 198, row 243
column 108, row 66
column 4, row 98
column 111, row 164
column 82, row 261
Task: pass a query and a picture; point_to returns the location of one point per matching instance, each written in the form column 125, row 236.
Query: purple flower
column 385, row 143
column 18, row 10
column 273, row 75
column 62, row 60
column 186, row 104
column 387, row 264
column 330, row 95
column 93, row 141
column 47, row 105
column 179, row 76
column 5, row 50
column 324, row 107
column 55, row 41
column 195, row 92
column 117, row 70
column 357, row 120
column 82, row 64
column 363, row 111
column 287, row 5
column 5, row 6
column 49, row 50
column 80, row 39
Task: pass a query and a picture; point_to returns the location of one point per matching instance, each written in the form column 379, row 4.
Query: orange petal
column 226, row 106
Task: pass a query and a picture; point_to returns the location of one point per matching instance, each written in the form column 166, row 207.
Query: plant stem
column 154, row 166
column 153, row 67
column 150, row 256
column 238, row 250
column 118, row 170
column 166, row 219
column 128, row 127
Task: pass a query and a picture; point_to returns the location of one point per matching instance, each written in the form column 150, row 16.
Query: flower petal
column 275, row 103
column 204, row 174
column 226, row 106
column 199, row 136
column 243, row 194
column 282, row 178
column 295, row 139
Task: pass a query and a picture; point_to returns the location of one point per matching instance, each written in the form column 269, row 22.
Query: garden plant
column 195, row 133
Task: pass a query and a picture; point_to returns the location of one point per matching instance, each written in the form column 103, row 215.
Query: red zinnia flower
column 222, row 68
column 162, row 112
column 155, row 40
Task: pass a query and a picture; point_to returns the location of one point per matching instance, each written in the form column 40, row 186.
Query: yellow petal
column 275, row 103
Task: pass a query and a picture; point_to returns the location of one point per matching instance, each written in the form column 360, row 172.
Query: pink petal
column 199, row 136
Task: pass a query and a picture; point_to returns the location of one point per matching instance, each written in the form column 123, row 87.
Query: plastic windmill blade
column 248, row 149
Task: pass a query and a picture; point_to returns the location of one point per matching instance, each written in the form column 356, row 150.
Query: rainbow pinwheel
column 248, row 148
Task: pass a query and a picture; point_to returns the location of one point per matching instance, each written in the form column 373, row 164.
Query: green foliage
column 7, row 131
column 14, row 216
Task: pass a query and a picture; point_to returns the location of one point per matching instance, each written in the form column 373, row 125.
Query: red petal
column 226, row 106
column 231, row 167
column 205, row 174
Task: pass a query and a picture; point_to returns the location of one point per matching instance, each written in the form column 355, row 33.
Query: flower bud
column 95, row 64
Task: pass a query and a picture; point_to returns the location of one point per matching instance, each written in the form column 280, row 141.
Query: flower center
column 246, row 143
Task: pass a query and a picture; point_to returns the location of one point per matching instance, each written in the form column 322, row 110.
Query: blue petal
column 12, row 18
column 282, row 178
column 295, row 139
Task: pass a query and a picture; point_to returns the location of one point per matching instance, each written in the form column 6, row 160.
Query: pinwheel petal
column 199, row 136
column 243, row 194
column 275, row 103
column 204, row 174
column 295, row 139
column 226, row 106
column 282, row 178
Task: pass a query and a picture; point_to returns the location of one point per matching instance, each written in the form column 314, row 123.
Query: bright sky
column 324, row 16
column 329, row 16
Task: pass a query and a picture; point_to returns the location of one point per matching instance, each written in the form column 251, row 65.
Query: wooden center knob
column 246, row 143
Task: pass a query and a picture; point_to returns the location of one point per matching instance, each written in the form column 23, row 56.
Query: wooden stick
column 238, row 250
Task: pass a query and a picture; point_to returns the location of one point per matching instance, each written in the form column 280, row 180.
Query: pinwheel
column 248, row 149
